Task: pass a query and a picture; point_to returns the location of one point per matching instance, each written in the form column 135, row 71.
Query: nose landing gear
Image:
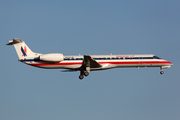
column 161, row 71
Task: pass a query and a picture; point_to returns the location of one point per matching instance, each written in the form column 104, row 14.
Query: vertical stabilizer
column 21, row 48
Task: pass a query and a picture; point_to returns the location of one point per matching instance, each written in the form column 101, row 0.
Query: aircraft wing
column 90, row 62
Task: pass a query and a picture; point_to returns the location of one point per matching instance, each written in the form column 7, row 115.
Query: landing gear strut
column 161, row 71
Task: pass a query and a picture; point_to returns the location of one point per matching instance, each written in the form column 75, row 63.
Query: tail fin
column 21, row 48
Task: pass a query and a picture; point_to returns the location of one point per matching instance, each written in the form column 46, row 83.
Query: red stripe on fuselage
column 138, row 62
column 79, row 63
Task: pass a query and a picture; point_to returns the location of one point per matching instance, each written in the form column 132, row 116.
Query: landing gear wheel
column 161, row 72
column 86, row 73
column 81, row 77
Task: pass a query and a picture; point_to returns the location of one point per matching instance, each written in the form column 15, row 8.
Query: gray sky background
column 90, row 27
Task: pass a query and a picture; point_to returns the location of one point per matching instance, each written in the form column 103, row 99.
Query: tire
column 161, row 72
column 81, row 77
column 86, row 73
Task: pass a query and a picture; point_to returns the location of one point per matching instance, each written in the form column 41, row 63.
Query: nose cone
column 170, row 63
column 167, row 64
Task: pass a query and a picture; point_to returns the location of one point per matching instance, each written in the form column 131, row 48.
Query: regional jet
column 85, row 63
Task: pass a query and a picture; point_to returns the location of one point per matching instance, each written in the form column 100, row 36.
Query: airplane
column 85, row 63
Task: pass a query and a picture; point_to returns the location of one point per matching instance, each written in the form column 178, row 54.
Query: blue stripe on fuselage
column 30, row 60
column 68, row 59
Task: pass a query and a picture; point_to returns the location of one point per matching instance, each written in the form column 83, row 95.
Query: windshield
column 156, row 57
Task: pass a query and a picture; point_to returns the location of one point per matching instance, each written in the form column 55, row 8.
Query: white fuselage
column 106, row 61
column 85, row 63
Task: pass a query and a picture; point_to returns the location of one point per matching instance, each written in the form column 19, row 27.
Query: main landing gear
column 82, row 74
column 161, row 71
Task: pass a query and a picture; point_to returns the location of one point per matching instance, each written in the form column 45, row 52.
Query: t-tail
column 23, row 51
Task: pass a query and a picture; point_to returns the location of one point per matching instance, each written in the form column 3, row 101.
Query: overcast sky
column 92, row 27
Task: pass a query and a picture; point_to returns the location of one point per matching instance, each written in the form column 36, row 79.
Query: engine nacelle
column 53, row 57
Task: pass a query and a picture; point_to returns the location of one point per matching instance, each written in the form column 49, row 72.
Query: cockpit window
column 156, row 57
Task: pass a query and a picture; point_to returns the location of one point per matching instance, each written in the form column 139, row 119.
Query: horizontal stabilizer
column 15, row 41
column 22, row 49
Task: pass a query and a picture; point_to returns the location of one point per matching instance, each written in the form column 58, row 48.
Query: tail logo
column 24, row 51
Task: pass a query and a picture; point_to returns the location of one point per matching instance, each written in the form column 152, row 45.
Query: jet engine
column 53, row 57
